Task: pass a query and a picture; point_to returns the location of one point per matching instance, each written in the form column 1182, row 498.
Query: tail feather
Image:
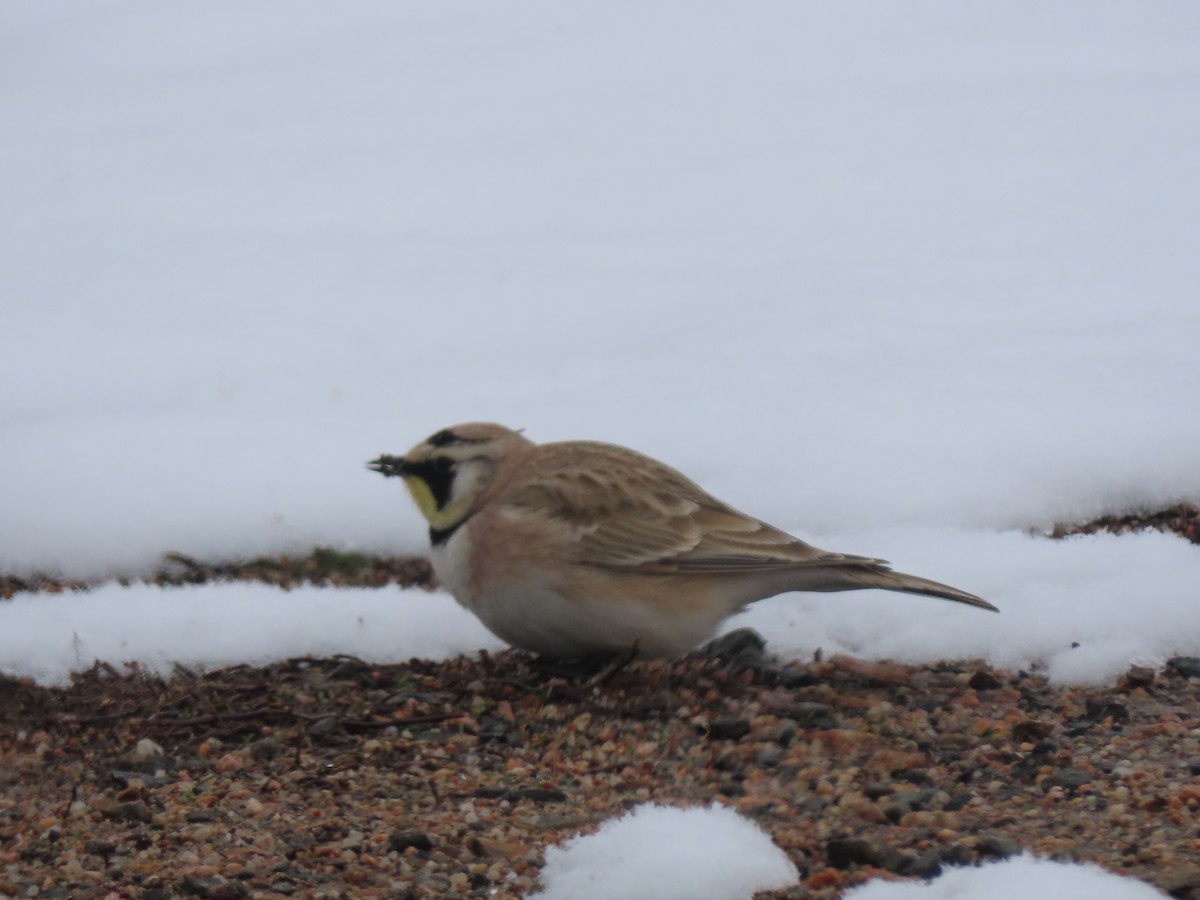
column 887, row 580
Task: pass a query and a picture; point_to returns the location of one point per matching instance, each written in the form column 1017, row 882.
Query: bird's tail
column 886, row 579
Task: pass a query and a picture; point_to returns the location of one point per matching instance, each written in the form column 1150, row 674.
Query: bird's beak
column 388, row 466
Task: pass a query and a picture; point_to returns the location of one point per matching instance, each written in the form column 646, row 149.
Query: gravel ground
column 335, row 778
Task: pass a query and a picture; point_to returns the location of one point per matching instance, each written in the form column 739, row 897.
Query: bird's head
column 448, row 471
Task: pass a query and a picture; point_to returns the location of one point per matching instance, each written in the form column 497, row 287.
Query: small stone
column 198, row 887
column 1187, row 666
column 228, row 890
column 984, row 681
column 845, row 852
column 1069, row 778
column 740, row 648
column 141, row 779
column 1101, row 708
column 958, row 855
column 133, row 811
column 819, row 716
column 728, row 728
column 146, row 747
column 1181, row 881
column 324, row 727
column 228, row 763
column 1137, row 677
column 264, row 749
column 538, row 795
column 100, row 848
column 403, row 839
column 769, row 756
column 877, row 789
column 995, row 846
column 894, row 812
column 1193, row 765
column 916, row 800
column 1031, row 730
column 497, row 730
column 927, row 865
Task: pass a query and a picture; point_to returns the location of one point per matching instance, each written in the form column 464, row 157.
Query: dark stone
column 797, row 677
column 728, row 728
column 265, row 749
column 1031, row 730
column 1193, row 765
column 228, row 890
column 1187, row 666
column 295, row 841
column 915, row 800
column 538, row 795
column 927, row 865
column 818, row 716
column 878, row 789
column 957, row 855
column 984, row 681
column 894, row 812
column 1099, row 708
column 495, row 730
column 200, row 815
column 845, row 852
column 126, row 777
column 741, row 648
column 198, row 887
column 535, row 795
column 100, row 848
column 769, row 756
column 152, row 764
column 324, row 727
column 133, row 811
column 994, row 846
column 956, row 802
column 404, row 838
column 1069, row 778
column 1181, row 882
column 1138, row 677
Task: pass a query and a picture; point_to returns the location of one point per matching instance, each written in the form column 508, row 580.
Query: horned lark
column 580, row 547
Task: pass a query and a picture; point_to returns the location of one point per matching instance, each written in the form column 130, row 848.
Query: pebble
column 728, row 728
column 403, row 839
column 997, row 847
column 1069, row 778
column 146, row 748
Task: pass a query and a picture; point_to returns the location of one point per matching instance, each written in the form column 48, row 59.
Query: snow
column 206, row 626
column 667, row 853
column 1021, row 875
column 914, row 283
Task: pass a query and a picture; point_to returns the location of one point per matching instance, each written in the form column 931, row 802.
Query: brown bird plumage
column 580, row 547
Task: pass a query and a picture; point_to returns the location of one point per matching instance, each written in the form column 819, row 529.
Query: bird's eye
column 443, row 463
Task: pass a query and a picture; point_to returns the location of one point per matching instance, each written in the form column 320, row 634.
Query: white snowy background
column 909, row 281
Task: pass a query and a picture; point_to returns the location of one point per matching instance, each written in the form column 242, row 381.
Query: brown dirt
column 335, row 778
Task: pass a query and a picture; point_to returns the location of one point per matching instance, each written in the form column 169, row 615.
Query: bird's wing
column 620, row 509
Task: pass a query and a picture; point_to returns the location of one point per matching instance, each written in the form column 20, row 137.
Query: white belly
column 531, row 613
